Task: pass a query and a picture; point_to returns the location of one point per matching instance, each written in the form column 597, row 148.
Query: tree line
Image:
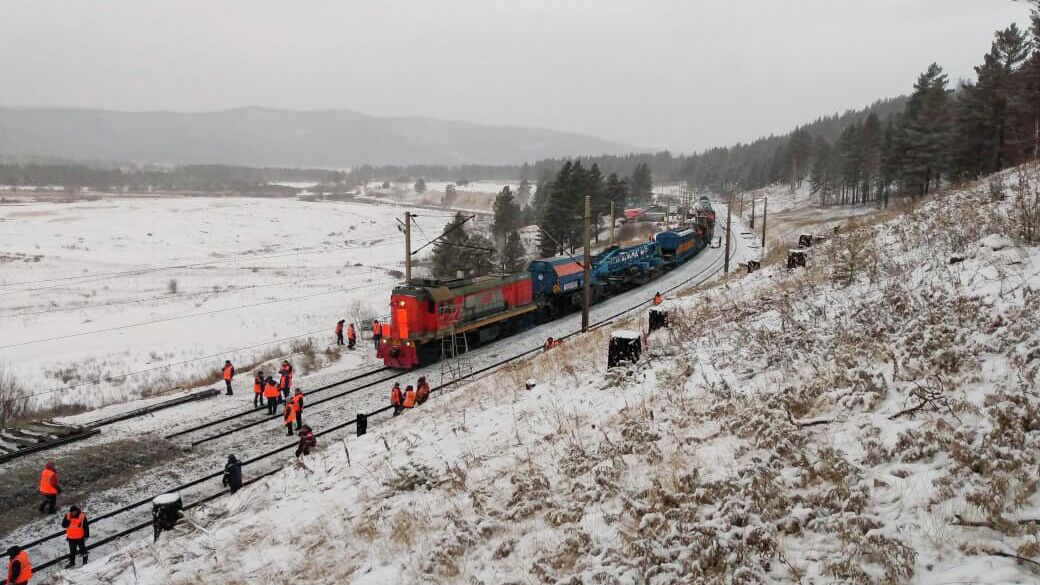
column 943, row 134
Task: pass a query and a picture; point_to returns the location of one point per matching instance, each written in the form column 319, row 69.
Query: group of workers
column 351, row 333
column 410, row 397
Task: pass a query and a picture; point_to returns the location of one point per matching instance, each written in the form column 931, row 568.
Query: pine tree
column 507, row 215
column 513, row 256
column 927, row 132
column 641, row 186
column 450, row 253
column 420, row 186
column 616, row 190
column 554, row 217
column 523, row 193
column 594, row 188
column 449, row 195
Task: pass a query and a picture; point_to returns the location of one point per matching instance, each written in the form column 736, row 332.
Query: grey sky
column 669, row 74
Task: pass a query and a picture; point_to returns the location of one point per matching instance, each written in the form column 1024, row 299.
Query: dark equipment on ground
column 625, row 346
column 166, row 511
column 795, row 259
column 362, row 423
column 658, row 319
column 753, row 265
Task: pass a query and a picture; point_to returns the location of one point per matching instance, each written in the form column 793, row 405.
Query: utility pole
column 586, row 269
column 765, row 209
column 752, row 224
column 729, row 215
column 408, row 248
column 741, row 214
column 612, row 220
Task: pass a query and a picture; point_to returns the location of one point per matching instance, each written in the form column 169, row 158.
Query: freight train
column 486, row 308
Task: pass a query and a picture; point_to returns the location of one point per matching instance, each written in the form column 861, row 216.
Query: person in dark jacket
column 77, row 531
column 307, row 441
column 232, row 474
column 18, row 568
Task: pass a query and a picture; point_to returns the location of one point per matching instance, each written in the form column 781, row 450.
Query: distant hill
column 255, row 136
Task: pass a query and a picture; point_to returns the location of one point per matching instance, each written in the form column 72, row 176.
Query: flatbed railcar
column 486, row 308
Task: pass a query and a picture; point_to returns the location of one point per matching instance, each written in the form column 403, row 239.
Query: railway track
column 376, row 415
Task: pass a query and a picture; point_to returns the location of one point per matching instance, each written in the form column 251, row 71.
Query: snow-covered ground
column 93, row 290
column 869, row 419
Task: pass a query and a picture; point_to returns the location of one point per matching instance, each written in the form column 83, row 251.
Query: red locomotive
column 422, row 314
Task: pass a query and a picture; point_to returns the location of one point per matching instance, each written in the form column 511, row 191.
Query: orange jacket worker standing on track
column 339, row 331
column 395, row 398
column 49, row 488
column 377, row 331
column 297, row 399
column 258, row 390
column 657, row 299
column 409, row 397
column 19, row 571
column 228, row 373
column 289, row 417
column 285, row 379
column 77, row 531
column 351, row 336
column 271, row 395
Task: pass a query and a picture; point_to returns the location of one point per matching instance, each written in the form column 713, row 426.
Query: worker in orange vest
column 228, row 372
column 377, row 331
column 19, row 571
column 409, row 397
column 422, row 390
column 289, row 416
column 77, row 531
column 297, row 399
column 285, row 379
column 258, row 390
column 657, row 299
column 395, row 398
column 548, row 344
column 49, row 488
column 271, row 395
column 351, row 336
column 339, row 331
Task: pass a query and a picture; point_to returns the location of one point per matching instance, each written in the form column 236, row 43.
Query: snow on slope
column 771, row 434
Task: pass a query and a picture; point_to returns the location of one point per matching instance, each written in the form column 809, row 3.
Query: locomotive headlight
column 400, row 303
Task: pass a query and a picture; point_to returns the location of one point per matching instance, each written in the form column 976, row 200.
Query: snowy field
column 869, row 419
column 91, row 291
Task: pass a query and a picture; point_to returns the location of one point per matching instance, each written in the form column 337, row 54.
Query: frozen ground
column 184, row 463
column 87, row 294
column 870, row 419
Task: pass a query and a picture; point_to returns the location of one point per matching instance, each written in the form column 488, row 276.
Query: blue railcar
column 678, row 246
column 617, row 265
column 555, row 276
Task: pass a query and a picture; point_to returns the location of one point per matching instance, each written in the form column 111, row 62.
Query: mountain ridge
column 264, row 136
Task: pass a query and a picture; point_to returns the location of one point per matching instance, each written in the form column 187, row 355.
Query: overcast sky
column 683, row 74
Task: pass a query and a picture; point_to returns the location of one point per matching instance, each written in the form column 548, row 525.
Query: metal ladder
column 454, row 348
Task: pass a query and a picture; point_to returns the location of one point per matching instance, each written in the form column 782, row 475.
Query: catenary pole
column 729, row 214
column 586, row 269
column 408, row 248
column 765, row 209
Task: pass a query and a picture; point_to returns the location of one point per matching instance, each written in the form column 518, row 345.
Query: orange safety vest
column 422, row 390
column 258, row 385
column 409, row 399
column 339, row 328
column 24, row 574
column 657, row 299
column 270, row 390
column 395, row 396
column 351, row 334
column 297, row 399
column 74, row 531
column 47, row 480
column 290, row 412
column 376, row 329
column 227, row 371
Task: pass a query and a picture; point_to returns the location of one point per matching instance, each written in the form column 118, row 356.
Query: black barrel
column 658, row 319
column 362, row 423
column 166, row 511
column 625, row 347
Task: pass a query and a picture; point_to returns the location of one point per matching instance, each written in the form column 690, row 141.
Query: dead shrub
column 14, row 401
